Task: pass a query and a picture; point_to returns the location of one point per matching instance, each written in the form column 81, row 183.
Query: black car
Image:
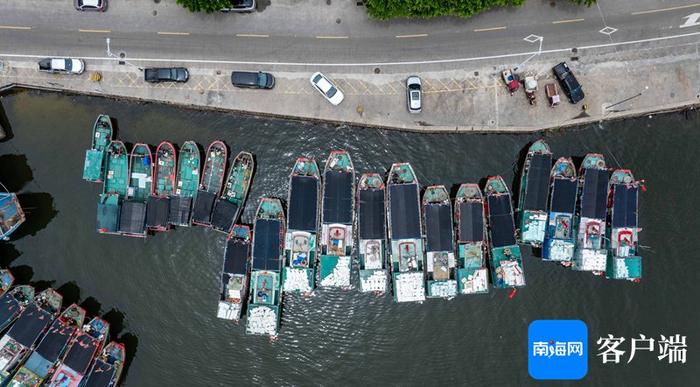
column 240, row 6
column 169, row 74
column 568, row 82
column 253, row 80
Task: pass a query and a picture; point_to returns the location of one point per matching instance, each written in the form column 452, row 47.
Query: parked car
column 327, row 88
column 568, row 82
column 91, row 5
column 253, row 80
column 166, row 74
column 62, row 65
column 414, row 94
column 240, row 6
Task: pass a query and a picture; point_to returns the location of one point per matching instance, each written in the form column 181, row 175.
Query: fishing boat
column 164, row 174
column 405, row 234
column 302, row 225
column 18, row 343
column 116, row 186
column 132, row 219
column 440, row 242
column 6, row 281
column 506, row 261
column 11, row 213
column 187, row 184
column 472, row 240
column 108, row 366
column 371, row 224
column 265, row 301
column 623, row 259
column 39, row 365
column 82, row 349
column 560, row 239
column 534, row 191
column 234, row 275
column 591, row 212
column 96, row 156
column 229, row 206
column 337, row 220
column 211, row 183
column 13, row 303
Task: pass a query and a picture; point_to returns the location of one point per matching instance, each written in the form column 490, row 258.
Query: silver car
column 414, row 94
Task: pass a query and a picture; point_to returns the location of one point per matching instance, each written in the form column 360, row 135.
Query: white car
column 414, row 94
column 62, row 65
column 327, row 88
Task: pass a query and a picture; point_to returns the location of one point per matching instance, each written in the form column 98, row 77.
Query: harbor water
column 167, row 286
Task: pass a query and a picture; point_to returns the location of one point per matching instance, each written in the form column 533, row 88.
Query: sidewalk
column 646, row 79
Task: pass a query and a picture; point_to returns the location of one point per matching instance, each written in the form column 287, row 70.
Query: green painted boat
column 115, row 188
column 187, row 183
column 164, row 170
column 405, row 225
column 96, row 157
column 229, row 206
column 300, row 242
column 472, row 240
column 211, row 183
column 506, row 260
column 624, row 261
column 440, row 263
column 265, row 301
column 534, row 193
column 132, row 218
column 337, row 220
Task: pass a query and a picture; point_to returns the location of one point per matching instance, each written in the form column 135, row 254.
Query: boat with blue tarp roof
column 534, row 190
column 371, row 225
column 301, row 242
column 81, row 351
column 591, row 212
column 560, row 237
column 13, row 302
column 405, row 226
column 265, row 300
column 108, row 366
column 506, row 260
column 624, row 261
column 337, row 220
column 472, row 240
column 234, row 274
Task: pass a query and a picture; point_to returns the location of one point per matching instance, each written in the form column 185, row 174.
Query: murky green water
column 164, row 290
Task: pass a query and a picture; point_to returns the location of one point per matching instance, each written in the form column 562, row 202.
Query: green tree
column 387, row 9
column 204, row 5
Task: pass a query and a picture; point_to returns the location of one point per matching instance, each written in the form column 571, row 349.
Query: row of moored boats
column 145, row 192
column 429, row 246
column 44, row 344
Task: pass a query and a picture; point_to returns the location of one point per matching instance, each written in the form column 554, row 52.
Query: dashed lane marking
column 666, row 9
column 332, row 37
column 173, row 33
column 411, row 36
column 490, row 29
column 252, row 36
column 94, row 31
column 568, row 21
column 15, row 28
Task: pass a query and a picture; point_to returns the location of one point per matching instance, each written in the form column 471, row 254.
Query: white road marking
column 173, row 33
column 252, row 36
column 95, row 31
column 367, row 64
column 666, row 9
column 15, row 28
column 332, row 37
column 691, row 20
column 411, row 36
column 490, row 29
column 567, row 21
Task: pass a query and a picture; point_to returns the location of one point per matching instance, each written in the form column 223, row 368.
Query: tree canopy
column 204, row 5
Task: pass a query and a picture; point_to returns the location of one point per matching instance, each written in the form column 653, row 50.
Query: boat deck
column 303, row 204
column 180, row 210
column 101, row 375
column 30, row 325
column 157, row 212
column 405, row 213
column 223, row 215
column 266, row 249
column 203, row 206
column 11, row 214
column 507, row 267
column 94, row 162
column 338, row 197
column 563, row 196
column 537, row 190
column 9, row 309
column 80, row 354
column 624, row 206
column 501, row 221
column 594, row 197
column 55, row 341
column 471, row 222
column 371, row 214
column 438, row 227
column 132, row 218
column 108, row 210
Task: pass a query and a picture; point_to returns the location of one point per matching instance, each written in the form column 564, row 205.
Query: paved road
column 312, row 32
